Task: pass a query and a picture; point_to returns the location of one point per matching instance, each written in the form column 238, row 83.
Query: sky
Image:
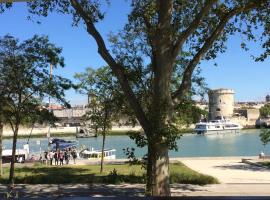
column 236, row 69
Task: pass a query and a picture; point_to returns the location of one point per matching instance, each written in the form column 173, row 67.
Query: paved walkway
column 229, row 170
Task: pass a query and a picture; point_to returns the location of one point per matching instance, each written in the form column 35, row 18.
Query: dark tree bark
column 13, row 159
column 103, row 138
column 102, row 150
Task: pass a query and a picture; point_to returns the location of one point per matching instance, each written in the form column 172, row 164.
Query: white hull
column 212, row 132
column 109, row 154
column 217, row 127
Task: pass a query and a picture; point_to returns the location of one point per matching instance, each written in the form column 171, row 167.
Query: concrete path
column 133, row 190
column 229, row 170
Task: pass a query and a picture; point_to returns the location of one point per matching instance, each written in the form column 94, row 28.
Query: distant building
column 221, row 103
column 267, row 99
column 249, row 113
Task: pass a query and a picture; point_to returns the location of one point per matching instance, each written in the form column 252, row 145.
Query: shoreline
column 110, row 133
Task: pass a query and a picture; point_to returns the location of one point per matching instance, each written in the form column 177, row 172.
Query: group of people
column 60, row 156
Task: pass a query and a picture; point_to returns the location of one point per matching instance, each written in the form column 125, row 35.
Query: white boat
column 96, row 154
column 20, row 155
column 217, row 126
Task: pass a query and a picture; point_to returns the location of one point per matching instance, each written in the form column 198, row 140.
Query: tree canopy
column 26, row 81
column 159, row 36
column 265, row 111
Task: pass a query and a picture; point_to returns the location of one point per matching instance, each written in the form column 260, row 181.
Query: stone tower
column 221, row 103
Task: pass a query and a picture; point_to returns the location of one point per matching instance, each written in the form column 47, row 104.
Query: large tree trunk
column 158, row 175
column 13, row 159
column 158, row 183
column 1, row 147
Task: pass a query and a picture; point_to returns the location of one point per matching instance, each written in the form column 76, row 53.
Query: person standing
column 74, row 155
column 61, row 158
column 51, row 154
column 66, row 157
column 55, row 158
column 46, row 157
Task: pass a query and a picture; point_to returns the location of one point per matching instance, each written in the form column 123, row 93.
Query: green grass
column 265, row 163
column 124, row 173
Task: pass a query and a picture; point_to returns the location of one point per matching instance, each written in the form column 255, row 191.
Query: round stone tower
column 221, row 103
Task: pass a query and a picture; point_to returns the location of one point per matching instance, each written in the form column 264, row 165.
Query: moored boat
column 93, row 154
column 20, row 155
column 217, row 126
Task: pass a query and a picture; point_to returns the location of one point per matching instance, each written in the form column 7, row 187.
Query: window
column 218, row 109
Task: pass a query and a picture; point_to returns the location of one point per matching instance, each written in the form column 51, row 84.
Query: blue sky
column 235, row 69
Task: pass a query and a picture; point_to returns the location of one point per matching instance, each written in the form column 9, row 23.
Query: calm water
column 246, row 143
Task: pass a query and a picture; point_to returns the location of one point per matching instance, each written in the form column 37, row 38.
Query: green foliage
column 139, row 138
column 265, row 164
column 104, row 97
column 265, row 136
column 188, row 113
column 113, row 177
column 25, row 79
column 265, row 111
column 130, row 154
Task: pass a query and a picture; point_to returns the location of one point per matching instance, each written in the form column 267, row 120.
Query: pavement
column 81, row 191
column 229, row 169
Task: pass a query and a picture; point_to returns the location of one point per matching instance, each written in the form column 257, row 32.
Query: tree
column 161, row 32
column 24, row 69
column 104, row 106
column 265, row 111
column 265, row 136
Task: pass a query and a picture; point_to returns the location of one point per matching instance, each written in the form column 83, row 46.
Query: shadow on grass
column 81, row 190
column 65, row 175
column 40, row 174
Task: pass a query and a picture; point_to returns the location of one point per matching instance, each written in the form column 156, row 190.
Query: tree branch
column 186, row 82
column 196, row 22
column 118, row 70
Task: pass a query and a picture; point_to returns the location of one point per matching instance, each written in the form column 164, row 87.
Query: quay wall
column 23, row 131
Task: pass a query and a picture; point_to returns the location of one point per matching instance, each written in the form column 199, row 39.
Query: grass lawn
column 265, row 163
column 124, row 173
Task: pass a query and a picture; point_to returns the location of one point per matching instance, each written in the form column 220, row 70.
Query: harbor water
column 245, row 143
